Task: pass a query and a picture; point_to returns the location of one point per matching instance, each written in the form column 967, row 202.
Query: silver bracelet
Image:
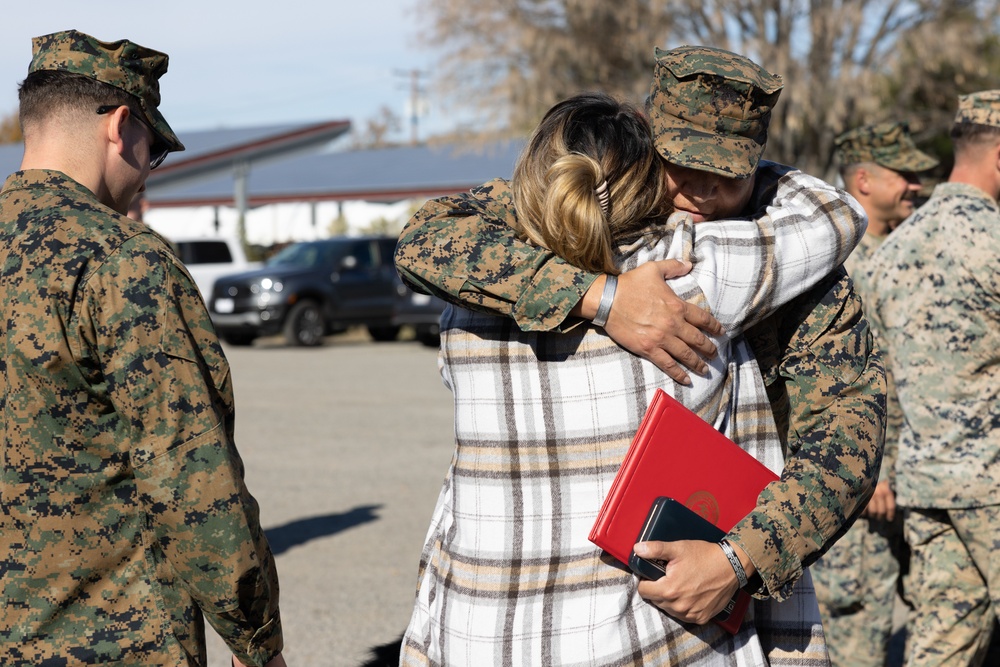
column 741, row 575
column 607, row 298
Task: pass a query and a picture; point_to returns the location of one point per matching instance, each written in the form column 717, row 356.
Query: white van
column 210, row 257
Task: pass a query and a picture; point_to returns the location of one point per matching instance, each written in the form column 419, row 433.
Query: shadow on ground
column 283, row 538
column 386, row 655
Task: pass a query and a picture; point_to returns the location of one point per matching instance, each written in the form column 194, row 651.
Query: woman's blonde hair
column 581, row 143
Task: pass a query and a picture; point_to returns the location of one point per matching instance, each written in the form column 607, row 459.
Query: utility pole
column 416, row 100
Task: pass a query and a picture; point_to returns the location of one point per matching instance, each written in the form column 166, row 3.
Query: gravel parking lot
column 345, row 448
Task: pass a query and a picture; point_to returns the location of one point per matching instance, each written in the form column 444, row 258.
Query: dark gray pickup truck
column 315, row 288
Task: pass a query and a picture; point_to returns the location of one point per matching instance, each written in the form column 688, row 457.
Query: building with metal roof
column 295, row 178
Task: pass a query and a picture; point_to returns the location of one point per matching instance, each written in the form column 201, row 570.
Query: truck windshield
column 304, row 255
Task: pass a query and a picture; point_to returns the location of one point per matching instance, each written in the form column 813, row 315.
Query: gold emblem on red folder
column 705, row 505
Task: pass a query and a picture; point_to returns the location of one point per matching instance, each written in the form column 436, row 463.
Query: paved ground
column 345, row 448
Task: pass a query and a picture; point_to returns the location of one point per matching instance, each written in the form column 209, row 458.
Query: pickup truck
column 314, row 288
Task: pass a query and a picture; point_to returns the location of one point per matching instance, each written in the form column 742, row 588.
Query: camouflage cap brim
column 913, row 160
column 886, row 144
column 159, row 123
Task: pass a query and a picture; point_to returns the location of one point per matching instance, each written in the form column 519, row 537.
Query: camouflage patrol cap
column 710, row 109
column 887, row 144
column 982, row 108
column 122, row 64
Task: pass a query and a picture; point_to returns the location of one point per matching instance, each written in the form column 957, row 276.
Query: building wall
column 281, row 223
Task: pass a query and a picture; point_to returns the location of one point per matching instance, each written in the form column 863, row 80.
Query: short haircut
column 47, row 92
column 968, row 135
column 847, row 171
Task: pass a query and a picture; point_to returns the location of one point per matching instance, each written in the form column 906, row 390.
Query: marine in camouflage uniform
column 936, row 307
column 709, row 110
column 125, row 517
column 856, row 581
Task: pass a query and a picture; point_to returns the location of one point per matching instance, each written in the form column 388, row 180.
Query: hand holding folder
column 675, row 454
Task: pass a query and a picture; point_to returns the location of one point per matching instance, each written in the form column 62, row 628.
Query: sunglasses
column 158, row 150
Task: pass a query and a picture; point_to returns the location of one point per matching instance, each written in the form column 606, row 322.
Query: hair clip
column 603, row 196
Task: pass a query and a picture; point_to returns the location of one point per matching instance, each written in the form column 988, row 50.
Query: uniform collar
column 44, row 178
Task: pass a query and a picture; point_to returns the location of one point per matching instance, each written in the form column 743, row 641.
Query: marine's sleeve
column 168, row 379
column 463, row 249
column 747, row 268
column 893, row 421
column 833, row 423
column 857, row 269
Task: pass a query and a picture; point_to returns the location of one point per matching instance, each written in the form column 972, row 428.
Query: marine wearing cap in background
column 126, row 518
column 879, row 165
column 937, row 313
column 856, row 579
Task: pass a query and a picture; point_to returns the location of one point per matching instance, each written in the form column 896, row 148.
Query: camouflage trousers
column 954, row 584
column 856, row 588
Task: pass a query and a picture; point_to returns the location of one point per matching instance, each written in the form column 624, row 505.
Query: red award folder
column 677, row 454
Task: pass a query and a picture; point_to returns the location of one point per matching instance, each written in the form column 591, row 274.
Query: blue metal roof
column 387, row 174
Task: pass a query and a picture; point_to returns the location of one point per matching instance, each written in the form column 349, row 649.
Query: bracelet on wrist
column 607, row 299
column 734, row 560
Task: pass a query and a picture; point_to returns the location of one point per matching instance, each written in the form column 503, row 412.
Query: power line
column 416, row 99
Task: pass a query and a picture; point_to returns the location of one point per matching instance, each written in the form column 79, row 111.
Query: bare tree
column 934, row 65
column 836, row 57
column 512, row 59
column 377, row 130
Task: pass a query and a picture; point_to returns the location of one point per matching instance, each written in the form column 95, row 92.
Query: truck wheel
column 239, row 339
column 429, row 335
column 384, row 334
column 304, row 325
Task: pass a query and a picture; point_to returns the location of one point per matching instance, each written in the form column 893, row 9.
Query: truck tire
column 304, row 326
column 239, row 339
column 384, row 334
column 429, row 335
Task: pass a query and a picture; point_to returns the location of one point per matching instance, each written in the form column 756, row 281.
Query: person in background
column 125, row 517
column 936, row 308
column 856, row 581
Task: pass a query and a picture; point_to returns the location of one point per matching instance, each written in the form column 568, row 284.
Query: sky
column 242, row 63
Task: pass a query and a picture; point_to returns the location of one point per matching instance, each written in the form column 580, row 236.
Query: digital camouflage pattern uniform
column 824, row 380
column 937, row 309
column 125, row 516
column 857, row 579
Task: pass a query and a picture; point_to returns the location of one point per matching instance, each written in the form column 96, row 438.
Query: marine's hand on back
column 649, row 320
